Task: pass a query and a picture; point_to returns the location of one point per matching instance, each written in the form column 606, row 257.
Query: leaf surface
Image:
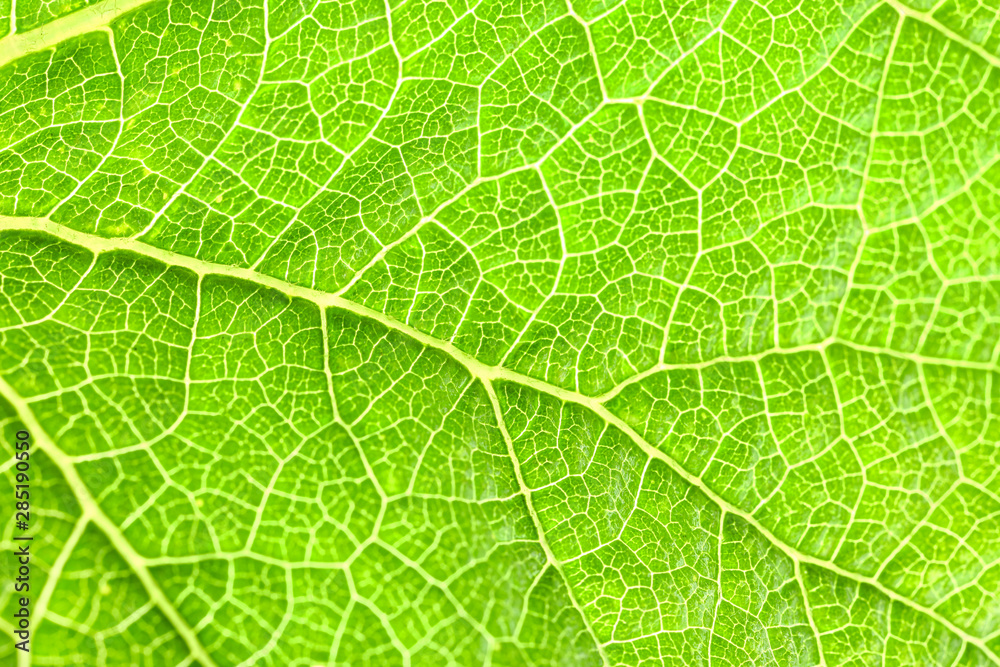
column 504, row 333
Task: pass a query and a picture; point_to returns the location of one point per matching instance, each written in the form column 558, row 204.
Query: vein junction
column 496, row 334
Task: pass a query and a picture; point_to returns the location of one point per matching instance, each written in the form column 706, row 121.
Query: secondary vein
column 483, row 372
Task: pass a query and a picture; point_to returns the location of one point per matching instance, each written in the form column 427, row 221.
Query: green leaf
column 502, row 333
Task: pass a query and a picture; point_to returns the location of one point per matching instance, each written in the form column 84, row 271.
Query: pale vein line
column 483, row 372
column 542, row 539
column 801, row 580
column 930, row 21
column 96, row 16
column 54, row 575
column 66, row 27
column 92, row 511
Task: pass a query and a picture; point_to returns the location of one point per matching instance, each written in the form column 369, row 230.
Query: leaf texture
column 504, row 333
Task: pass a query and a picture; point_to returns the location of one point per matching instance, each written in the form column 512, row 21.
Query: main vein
column 479, row 370
column 51, row 34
